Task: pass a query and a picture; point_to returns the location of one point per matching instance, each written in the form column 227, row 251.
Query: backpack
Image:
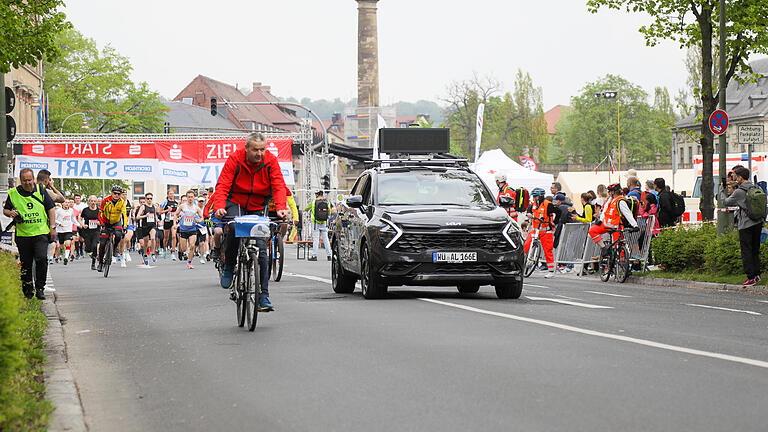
column 677, row 204
column 522, row 200
column 634, row 206
column 756, row 202
column 321, row 210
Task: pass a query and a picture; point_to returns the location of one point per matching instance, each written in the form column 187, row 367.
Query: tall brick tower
column 367, row 54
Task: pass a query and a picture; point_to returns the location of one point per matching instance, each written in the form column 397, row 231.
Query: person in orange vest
column 614, row 210
column 505, row 190
column 548, row 214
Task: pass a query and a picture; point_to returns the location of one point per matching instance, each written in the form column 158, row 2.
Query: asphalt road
column 158, row 350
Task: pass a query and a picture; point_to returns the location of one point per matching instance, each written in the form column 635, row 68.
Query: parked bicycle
column 617, row 261
column 535, row 249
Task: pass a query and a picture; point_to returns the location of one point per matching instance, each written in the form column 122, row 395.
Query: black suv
column 425, row 222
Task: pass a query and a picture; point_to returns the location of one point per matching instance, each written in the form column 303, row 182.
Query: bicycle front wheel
column 252, row 290
column 605, row 266
column 240, row 297
column 277, row 259
column 621, row 265
column 532, row 258
column 108, row 251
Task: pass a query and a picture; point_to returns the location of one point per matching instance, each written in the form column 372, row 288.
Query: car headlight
column 389, row 233
column 513, row 233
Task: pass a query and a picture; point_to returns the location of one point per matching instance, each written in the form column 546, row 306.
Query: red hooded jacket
column 248, row 185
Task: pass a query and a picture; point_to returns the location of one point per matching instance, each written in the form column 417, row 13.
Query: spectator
column 320, row 212
column 649, row 188
column 633, row 184
column 563, row 204
column 555, row 188
column 44, row 178
column 650, row 208
column 602, row 195
column 588, row 214
column 749, row 229
column 666, row 218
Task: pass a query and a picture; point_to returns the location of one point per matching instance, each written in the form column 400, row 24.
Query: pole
column 3, row 141
column 618, row 129
column 674, row 159
column 724, row 219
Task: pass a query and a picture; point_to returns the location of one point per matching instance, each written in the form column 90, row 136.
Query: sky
column 308, row 48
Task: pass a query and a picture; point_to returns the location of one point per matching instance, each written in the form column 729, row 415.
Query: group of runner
column 174, row 228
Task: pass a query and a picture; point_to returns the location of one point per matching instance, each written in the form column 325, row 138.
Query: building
column 27, row 84
column 745, row 104
column 187, row 118
column 553, row 116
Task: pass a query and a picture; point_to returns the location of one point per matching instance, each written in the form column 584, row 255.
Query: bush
column 682, row 248
column 22, row 326
column 723, row 255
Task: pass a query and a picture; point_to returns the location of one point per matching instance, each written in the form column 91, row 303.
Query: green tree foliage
column 591, row 130
column 97, row 82
column 693, row 23
column 28, row 30
column 513, row 122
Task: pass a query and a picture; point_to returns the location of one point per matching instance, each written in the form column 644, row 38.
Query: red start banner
column 193, row 160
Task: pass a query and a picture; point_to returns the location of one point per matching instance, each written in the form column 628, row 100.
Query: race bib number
column 188, row 220
column 93, row 224
column 151, row 218
column 203, row 230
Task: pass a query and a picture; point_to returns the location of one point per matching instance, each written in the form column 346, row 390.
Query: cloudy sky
column 308, row 48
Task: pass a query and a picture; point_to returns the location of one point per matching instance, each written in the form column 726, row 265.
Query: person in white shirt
column 65, row 221
column 78, row 205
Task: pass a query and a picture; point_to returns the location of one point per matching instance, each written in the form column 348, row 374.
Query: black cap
column 319, row 192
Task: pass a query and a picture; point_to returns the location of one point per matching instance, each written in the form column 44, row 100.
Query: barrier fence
column 577, row 248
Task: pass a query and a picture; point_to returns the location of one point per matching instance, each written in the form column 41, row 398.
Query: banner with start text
column 193, row 161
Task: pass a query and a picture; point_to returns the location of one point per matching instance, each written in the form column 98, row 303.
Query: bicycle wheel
column 107, row 260
column 532, row 258
column 253, row 289
column 621, row 264
column 240, row 300
column 605, row 266
column 277, row 260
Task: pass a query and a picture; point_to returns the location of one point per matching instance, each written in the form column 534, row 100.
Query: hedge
column 699, row 248
column 22, row 326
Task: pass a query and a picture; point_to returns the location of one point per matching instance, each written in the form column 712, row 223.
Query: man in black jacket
column 665, row 216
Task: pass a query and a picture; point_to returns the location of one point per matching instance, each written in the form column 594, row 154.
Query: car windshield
column 459, row 188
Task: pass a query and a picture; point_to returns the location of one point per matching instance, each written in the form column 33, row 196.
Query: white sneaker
column 127, row 256
column 123, row 264
column 202, row 260
column 549, row 275
column 114, row 260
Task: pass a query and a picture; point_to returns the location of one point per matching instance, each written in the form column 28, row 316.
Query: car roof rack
column 425, row 161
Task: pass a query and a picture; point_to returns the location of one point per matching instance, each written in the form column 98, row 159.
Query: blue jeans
column 320, row 230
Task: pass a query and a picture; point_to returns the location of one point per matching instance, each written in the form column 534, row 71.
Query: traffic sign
column 751, row 134
column 10, row 100
column 718, row 122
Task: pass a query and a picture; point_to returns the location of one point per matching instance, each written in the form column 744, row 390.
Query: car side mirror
column 355, row 201
column 506, row 201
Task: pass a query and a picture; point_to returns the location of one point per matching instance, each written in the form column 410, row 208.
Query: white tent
column 495, row 161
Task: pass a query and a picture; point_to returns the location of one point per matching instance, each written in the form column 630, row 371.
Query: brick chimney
column 367, row 54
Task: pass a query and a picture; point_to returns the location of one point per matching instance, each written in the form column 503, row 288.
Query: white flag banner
column 479, row 129
column 380, row 123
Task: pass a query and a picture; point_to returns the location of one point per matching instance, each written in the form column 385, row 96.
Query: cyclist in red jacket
column 248, row 180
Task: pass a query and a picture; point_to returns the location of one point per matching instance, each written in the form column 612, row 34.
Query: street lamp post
column 613, row 94
column 85, row 121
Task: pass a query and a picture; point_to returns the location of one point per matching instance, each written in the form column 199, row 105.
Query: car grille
column 421, row 242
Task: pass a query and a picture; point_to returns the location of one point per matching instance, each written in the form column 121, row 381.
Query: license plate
column 454, row 257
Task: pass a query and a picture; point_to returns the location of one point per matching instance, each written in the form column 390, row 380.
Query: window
column 451, row 188
column 174, row 188
column 690, row 155
column 682, row 155
column 138, row 188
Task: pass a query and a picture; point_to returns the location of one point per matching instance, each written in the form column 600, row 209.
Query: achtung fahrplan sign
column 751, row 134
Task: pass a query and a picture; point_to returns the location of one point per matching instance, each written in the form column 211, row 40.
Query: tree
column 747, row 35
column 97, row 83
column 463, row 99
column 27, row 32
column 592, row 129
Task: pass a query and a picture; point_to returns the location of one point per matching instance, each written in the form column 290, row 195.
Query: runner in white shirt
column 187, row 215
column 65, row 221
column 78, row 205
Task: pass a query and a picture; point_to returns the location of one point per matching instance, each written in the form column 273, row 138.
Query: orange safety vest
column 507, row 191
column 540, row 211
column 612, row 213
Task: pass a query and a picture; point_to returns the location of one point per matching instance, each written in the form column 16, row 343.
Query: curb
column 60, row 386
column 715, row 286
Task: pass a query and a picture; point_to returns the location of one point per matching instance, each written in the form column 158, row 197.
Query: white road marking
column 568, row 302
column 314, row 278
column 763, row 301
column 608, row 294
column 644, row 342
column 537, row 286
column 724, row 309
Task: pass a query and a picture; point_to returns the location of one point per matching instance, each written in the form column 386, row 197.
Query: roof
column 743, row 101
column 337, row 130
column 276, row 115
column 189, row 118
column 554, row 115
column 237, row 113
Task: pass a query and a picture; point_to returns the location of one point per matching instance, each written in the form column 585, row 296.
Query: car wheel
column 509, row 290
column 342, row 281
column 468, row 288
column 369, row 281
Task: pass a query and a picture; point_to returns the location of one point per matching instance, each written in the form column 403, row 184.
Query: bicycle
column 617, row 261
column 535, row 249
column 109, row 250
column 276, row 251
column 247, row 283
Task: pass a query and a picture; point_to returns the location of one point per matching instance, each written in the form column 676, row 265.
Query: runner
column 202, row 236
column 89, row 228
column 65, row 220
column 188, row 213
column 139, row 223
column 78, row 206
column 170, row 226
column 216, row 228
column 129, row 230
column 147, row 213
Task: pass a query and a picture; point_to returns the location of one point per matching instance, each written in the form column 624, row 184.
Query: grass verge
column 699, row 277
column 23, row 406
